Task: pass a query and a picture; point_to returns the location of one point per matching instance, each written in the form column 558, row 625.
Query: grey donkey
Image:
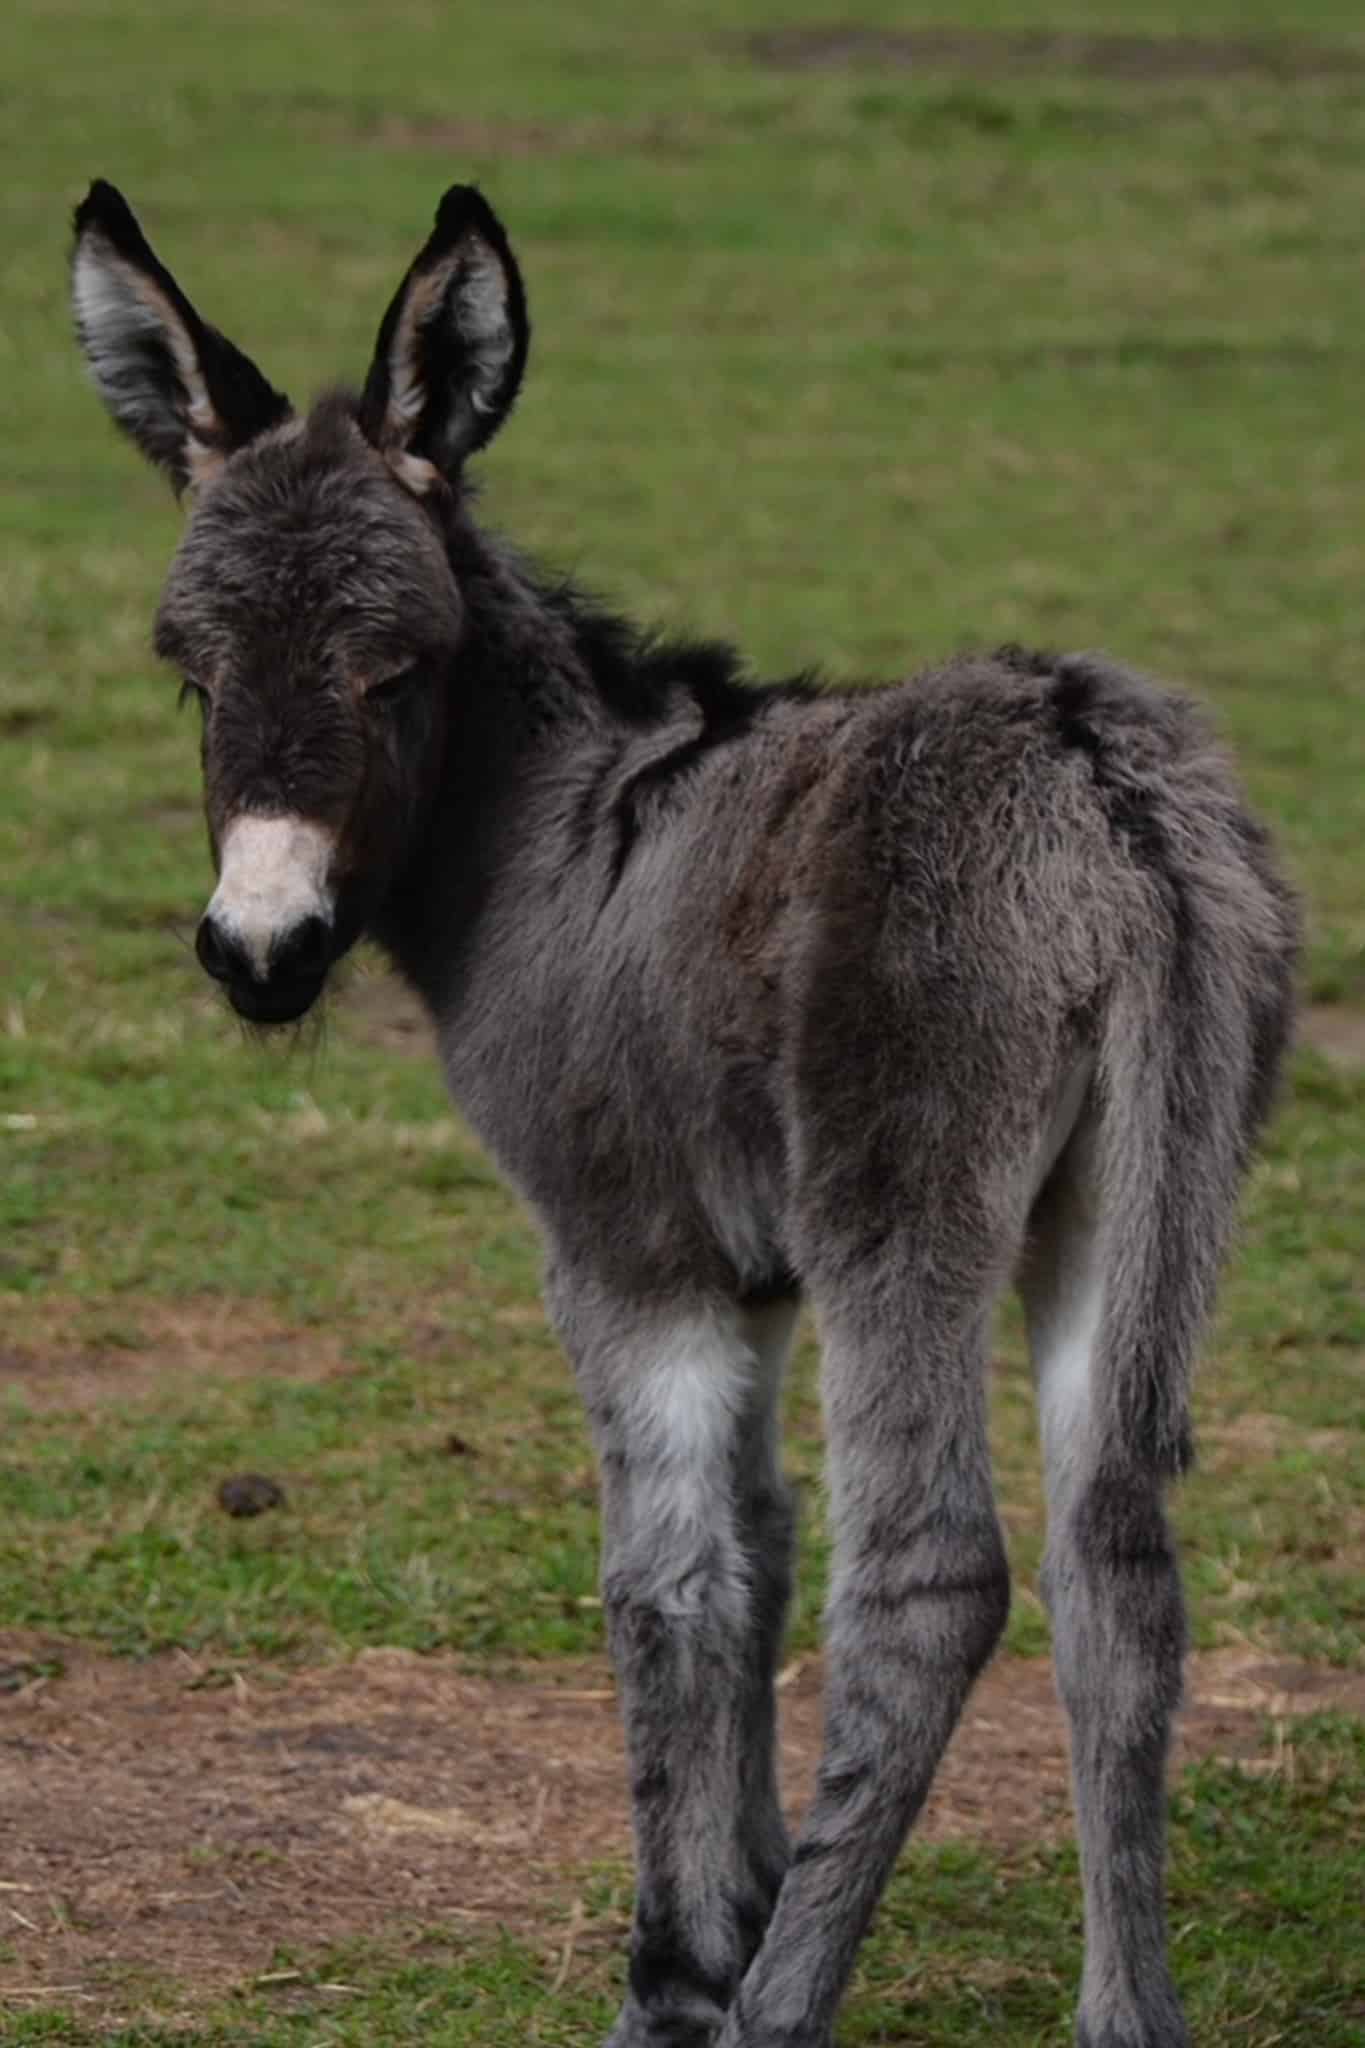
column 881, row 996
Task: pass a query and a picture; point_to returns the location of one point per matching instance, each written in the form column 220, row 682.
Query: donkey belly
column 693, row 1201
column 741, row 1193
column 662, row 1170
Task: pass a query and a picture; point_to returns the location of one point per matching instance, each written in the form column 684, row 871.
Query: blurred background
column 858, row 341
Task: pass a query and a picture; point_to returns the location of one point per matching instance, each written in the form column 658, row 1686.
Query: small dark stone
column 19, row 1677
column 248, row 1493
column 456, row 1447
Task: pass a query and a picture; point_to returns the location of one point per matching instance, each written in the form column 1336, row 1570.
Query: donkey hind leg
column 696, row 1567
column 919, row 1595
column 768, row 1530
column 1112, row 1584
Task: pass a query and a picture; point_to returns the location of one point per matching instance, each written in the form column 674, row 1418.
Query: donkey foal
column 884, row 996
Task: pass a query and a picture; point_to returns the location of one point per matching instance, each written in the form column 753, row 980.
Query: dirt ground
column 993, row 53
column 61, row 1368
column 192, row 1821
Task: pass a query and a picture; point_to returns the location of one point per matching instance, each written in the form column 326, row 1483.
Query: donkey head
column 311, row 607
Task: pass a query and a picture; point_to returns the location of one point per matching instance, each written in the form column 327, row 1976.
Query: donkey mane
column 636, row 673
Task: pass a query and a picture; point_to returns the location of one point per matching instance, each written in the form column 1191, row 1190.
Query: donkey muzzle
column 268, row 934
column 296, row 968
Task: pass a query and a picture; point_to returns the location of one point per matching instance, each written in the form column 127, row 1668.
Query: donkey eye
column 393, row 689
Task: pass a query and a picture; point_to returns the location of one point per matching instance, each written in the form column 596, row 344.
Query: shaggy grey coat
column 884, row 997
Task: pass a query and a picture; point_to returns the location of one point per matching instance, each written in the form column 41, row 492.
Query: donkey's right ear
column 452, row 346
column 172, row 382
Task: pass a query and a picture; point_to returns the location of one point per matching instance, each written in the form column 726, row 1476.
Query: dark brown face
column 311, row 607
column 312, row 611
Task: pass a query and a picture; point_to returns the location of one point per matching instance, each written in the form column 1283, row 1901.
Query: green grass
column 968, row 1946
column 858, row 365
column 108, row 1524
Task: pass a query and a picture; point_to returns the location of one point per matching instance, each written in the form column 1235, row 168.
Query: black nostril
column 217, row 955
column 303, row 954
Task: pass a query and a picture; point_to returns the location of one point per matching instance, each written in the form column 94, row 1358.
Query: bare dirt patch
column 497, row 142
column 381, row 1011
column 323, row 119
column 56, row 1364
column 986, row 53
column 193, row 1821
column 1256, row 1435
column 1337, row 1031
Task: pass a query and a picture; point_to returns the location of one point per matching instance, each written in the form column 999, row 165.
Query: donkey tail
column 1191, row 1045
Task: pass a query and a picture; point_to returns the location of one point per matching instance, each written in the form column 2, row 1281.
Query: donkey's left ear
column 176, row 385
column 452, row 347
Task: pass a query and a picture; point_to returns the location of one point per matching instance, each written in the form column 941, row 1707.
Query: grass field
column 858, row 352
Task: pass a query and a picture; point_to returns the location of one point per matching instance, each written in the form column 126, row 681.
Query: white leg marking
column 683, row 1407
column 1064, row 1345
column 1065, row 1112
column 681, row 1417
column 1066, row 1300
column 273, row 874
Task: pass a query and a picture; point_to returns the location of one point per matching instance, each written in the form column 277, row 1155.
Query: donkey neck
column 553, row 703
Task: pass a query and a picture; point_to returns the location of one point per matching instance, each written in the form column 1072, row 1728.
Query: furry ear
column 451, row 348
column 176, row 385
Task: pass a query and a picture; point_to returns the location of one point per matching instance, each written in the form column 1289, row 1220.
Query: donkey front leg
column 682, row 1414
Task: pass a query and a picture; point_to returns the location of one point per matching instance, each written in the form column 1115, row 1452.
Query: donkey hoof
column 1165, row 2028
column 638, row 2029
